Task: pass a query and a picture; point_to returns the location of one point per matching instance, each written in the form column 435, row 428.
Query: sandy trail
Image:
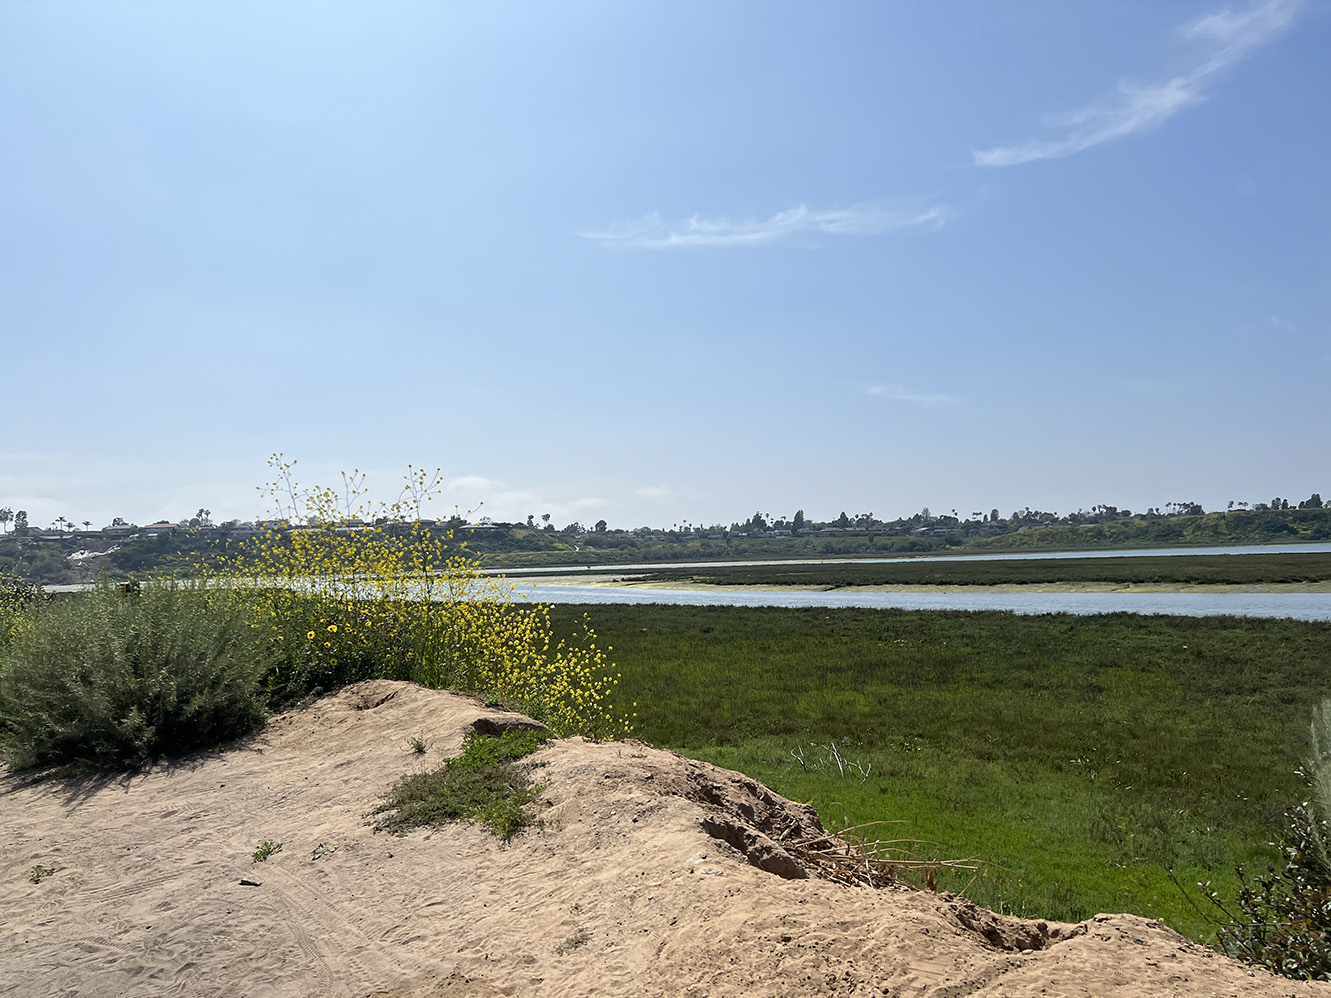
column 622, row 892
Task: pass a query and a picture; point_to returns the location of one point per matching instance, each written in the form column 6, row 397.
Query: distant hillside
column 1237, row 527
column 61, row 558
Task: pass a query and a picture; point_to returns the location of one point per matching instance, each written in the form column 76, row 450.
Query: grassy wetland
column 1081, row 758
column 1144, row 570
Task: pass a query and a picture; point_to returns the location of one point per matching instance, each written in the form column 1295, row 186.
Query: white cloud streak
column 474, row 483
column 483, row 496
column 902, row 394
column 874, row 219
column 1228, row 37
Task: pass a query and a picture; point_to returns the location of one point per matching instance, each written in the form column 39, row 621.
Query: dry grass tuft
column 857, row 857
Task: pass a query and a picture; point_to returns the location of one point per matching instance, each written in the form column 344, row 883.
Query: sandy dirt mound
column 653, row 875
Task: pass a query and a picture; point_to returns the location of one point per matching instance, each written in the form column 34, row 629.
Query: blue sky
column 664, row 262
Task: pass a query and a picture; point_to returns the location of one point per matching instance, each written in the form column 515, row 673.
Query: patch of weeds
column 835, row 764
column 484, row 784
column 40, row 873
column 265, row 850
column 579, row 939
column 418, row 746
column 531, row 706
column 502, row 703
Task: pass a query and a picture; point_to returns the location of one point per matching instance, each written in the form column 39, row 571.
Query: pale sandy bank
column 623, row 892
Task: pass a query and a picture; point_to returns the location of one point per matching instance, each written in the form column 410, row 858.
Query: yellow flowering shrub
column 348, row 589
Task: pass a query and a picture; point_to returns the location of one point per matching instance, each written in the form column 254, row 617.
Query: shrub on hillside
column 16, row 599
column 106, row 680
column 346, row 589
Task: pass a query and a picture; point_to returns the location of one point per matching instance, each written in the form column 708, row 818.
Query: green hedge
column 109, row 680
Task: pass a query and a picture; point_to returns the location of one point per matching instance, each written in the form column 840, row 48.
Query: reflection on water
column 1297, row 606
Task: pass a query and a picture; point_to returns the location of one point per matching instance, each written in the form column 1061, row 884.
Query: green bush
column 16, row 599
column 1283, row 919
column 318, row 647
column 110, row 681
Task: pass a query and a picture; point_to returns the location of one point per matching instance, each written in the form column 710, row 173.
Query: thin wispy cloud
column 1227, row 37
column 900, row 393
column 873, row 219
column 494, row 498
column 474, row 483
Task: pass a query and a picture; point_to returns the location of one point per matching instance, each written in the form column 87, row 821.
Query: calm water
column 1298, row 606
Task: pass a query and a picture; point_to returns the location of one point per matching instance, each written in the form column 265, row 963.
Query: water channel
column 1297, row 606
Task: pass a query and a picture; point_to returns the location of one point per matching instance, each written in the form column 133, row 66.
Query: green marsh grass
column 1247, row 569
column 1080, row 757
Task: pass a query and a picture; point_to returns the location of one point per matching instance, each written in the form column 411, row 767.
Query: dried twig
column 850, row 857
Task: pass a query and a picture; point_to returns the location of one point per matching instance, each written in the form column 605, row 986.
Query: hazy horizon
column 437, row 508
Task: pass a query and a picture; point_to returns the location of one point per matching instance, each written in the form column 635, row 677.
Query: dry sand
column 622, row 892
